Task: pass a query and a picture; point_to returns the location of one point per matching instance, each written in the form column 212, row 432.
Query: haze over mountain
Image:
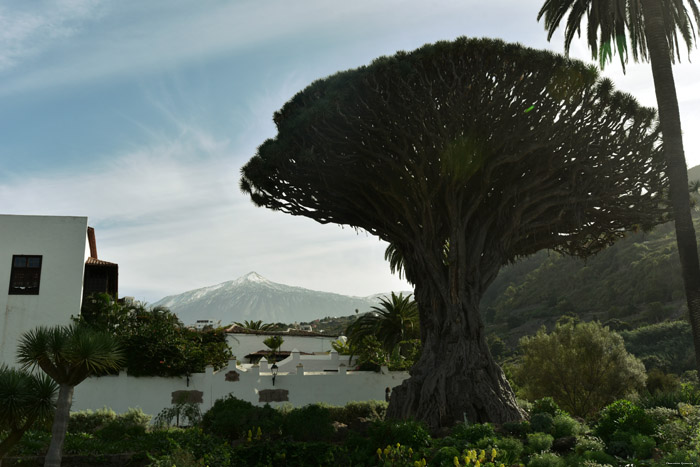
column 252, row 297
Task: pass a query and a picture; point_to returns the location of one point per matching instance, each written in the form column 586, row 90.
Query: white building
column 42, row 271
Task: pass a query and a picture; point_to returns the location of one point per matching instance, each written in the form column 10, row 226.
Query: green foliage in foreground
column 624, row 433
column 582, row 366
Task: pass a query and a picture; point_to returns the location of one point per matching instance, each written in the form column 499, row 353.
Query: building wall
column 251, row 383
column 243, row 344
column 62, row 243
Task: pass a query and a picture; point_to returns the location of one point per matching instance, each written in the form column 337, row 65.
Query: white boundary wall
column 62, row 243
column 243, row 344
column 252, row 383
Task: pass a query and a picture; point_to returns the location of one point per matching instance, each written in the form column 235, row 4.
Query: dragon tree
column 465, row 156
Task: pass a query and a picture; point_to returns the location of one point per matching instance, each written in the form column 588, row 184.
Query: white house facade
column 44, row 263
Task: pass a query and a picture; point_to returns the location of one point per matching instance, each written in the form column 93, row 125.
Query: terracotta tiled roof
column 99, row 262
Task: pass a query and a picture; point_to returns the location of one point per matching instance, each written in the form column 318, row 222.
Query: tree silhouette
column 464, row 155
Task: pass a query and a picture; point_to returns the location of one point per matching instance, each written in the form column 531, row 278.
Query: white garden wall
column 296, row 386
column 243, row 344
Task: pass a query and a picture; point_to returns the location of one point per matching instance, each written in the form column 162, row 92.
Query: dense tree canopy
column 464, row 155
column 155, row 341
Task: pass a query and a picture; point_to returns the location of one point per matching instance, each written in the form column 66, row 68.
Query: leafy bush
column 688, row 393
column 582, row 366
column 546, row 459
column 309, row 423
column 599, row 457
column 371, row 410
column 519, row 429
column 182, row 413
column 288, row 454
column 545, row 405
column 564, row 425
column 623, row 416
column 628, row 445
column 509, row 450
column 88, row 421
column 108, row 425
column 231, row 418
column 588, row 443
column 539, row 442
column 473, row 433
column 405, row 432
column 541, row 422
column 445, row 456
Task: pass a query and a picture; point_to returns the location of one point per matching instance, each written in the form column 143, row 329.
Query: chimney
column 92, row 242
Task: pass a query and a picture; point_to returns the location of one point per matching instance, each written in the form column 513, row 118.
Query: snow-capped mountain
column 252, row 297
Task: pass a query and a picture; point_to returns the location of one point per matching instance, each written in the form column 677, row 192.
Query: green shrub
column 539, row 442
column 231, row 418
column 679, row 457
column 88, row 421
column 509, row 450
column 108, row 425
column 564, row 425
column 546, row 459
column 661, row 415
column 289, row 454
column 623, row 416
column 445, row 456
column 519, row 429
column 545, row 405
column 588, row 443
column 406, row 432
column 628, row 445
column 309, row 423
column 582, row 366
column 473, row 433
column 370, row 410
column 206, row 448
column 676, row 434
column 599, row 457
column 541, row 422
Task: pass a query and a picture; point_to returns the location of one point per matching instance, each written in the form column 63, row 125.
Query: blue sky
column 140, row 115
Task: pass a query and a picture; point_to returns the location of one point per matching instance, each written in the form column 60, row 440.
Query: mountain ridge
column 253, row 297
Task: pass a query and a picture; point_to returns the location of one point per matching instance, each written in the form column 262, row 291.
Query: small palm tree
column 25, row 398
column 254, row 325
column 68, row 355
column 393, row 321
column 274, row 343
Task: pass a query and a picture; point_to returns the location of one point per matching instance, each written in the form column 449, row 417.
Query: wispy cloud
column 29, row 28
column 172, row 216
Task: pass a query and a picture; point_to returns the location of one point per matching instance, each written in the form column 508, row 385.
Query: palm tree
column 68, row 354
column 653, row 27
column 25, row 398
column 254, row 325
column 393, row 321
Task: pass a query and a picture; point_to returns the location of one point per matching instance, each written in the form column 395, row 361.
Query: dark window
column 25, row 275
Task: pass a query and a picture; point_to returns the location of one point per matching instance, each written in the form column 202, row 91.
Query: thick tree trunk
column 60, row 426
column 455, row 377
column 669, row 118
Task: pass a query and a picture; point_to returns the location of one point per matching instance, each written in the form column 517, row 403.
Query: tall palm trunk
column 60, row 426
column 669, row 117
